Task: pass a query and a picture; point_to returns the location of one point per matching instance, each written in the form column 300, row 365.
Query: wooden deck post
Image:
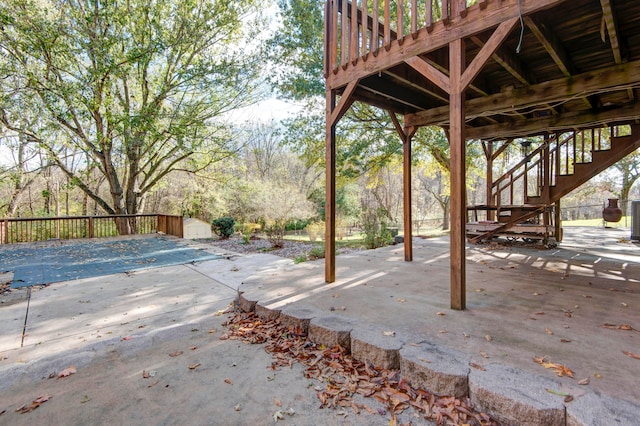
column 330, row 192
column 489, row 184
column 407, row 200
column 458, row 175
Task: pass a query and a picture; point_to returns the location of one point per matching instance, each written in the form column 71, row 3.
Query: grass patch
column 598, row 223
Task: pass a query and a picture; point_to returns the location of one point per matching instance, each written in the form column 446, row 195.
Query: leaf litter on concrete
column 340, row 377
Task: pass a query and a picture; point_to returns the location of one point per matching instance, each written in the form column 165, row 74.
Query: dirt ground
column 232, row 384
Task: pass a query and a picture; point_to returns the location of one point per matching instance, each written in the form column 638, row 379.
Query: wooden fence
column 23, row 230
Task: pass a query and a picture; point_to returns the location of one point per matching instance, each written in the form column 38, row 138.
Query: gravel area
column 291, row 249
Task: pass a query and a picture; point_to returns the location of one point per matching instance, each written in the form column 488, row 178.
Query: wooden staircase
column 524, row 198
column 620, row 147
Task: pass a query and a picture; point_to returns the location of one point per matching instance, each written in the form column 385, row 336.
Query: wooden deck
column 487, row 70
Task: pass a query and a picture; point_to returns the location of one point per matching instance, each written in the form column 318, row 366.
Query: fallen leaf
column 175, row 354
column 442, row 330
column 477, row 366
column 153, row 384
column 624, row 305
column 277, row 402
column 85, row 399
column 425, row 360
column 584, row 381
column 145, row 374
column 597, row 375
column 67, row 371
column 488, row 338
column 565, row 341
column 568, row 398
column 237, row 407
column 631, row 355
column 548, row 331
column 388, row 333
column 228, row 381
column 193, row 348
column 194, row 366
column 278, row 416
column 401, row 300
column 484, row 354
column 127, row 338
column 440, row 313
column 559, row 369
column 225, row 336
column 34, row 404
column 212, row 330
column 555, row 392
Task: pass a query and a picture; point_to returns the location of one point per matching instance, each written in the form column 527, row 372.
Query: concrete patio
column 576, row 305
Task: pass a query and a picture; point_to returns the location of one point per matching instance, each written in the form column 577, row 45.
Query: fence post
column 90, row 226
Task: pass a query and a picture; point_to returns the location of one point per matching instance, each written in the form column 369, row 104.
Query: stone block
column 436, row 369
column 377, row 346
column 266, row 313
column 245, row 303
column 593, row 409
column 298, row 316
column 516, row 397
column 331, row 330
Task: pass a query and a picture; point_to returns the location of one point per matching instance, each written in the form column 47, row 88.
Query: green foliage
column 297, row 49
column 247, row 230
column 300, row 259
column 374, row 227
column 275, row 234
column 224, row 226
column 135, row 86
column 296, row 224
column 316, row 252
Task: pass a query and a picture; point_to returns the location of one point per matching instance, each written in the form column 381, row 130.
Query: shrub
column 224, row 227
column 316, row 253
column 315, row 230
column 374, row 227
column 247, row 230
column 275, row 234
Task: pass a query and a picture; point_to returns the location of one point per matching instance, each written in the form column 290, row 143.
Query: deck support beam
column 457, row 148
column 330, row 192
column 334, row 112
column 406, row 134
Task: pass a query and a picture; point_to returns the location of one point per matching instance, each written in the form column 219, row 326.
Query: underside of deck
column 489, row 71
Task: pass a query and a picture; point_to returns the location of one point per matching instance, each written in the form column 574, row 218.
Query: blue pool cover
column 44, row 265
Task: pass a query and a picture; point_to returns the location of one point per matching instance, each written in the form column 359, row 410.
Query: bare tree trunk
column 444, row 203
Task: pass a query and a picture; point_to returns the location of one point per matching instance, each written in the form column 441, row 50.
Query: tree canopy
column 137, row 88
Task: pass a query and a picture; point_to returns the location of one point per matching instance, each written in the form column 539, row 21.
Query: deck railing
column 527, row 178
column 23, row 230
column 347, row 39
